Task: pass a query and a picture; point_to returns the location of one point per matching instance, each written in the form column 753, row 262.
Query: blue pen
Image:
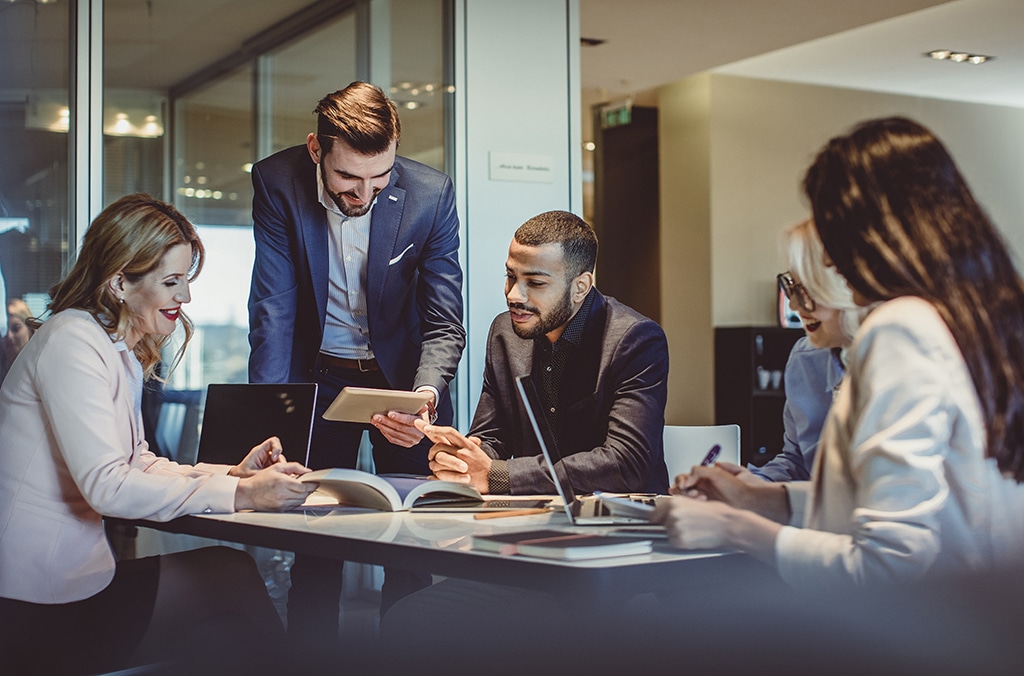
column 711, row 456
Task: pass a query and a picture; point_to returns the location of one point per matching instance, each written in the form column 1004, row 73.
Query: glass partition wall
column 193, row 92
column 34, row 150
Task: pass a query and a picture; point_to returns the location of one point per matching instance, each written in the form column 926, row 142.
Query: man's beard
column 349, row 211
column 546, row 323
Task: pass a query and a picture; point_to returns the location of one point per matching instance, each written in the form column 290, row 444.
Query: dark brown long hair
column 131, row 236
column 898, row 219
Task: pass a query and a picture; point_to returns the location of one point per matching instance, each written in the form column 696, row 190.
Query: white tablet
column 359, row 404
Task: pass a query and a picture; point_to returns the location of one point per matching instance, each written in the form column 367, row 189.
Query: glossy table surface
column 441, row 543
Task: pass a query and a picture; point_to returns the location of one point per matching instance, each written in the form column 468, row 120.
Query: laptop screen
column 237, row 417
column 548, row 444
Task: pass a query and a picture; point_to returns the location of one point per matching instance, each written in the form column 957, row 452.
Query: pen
column 711, row 456
column 511, row 512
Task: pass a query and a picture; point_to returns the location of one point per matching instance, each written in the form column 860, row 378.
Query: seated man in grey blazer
column 601, row 370
column 600, row 367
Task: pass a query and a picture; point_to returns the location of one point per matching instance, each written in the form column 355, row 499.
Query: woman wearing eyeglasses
column 815, row 366
column 922, row 456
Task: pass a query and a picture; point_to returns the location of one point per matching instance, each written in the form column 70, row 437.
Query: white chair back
column 686, row 446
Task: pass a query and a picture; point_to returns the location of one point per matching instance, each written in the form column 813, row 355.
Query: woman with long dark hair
column 922, row 456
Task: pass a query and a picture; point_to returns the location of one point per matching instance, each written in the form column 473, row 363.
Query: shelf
column 739, row 352
column 769, row 394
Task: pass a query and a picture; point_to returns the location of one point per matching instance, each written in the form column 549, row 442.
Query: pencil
column 511, row 512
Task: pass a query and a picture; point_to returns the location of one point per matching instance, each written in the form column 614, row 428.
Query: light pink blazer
column 72, row 451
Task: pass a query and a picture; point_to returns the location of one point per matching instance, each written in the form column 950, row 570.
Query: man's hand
column 400, row 428
column 455, row 457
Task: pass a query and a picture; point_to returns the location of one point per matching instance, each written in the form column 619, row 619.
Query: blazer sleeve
column 273, row 294
column 493, row 420
column 78, row 387
column 439, row 298
column 902, row 414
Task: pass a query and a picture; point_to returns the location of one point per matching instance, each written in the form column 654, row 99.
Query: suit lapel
column 520, row 356
column 384, row 226
column 315, row 240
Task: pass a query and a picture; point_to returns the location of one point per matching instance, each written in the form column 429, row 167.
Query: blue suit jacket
column 414, row 282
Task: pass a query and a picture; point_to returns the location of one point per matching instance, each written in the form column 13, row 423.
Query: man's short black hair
column 578, row 240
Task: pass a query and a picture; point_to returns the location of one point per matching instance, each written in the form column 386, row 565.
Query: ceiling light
column 958, row 57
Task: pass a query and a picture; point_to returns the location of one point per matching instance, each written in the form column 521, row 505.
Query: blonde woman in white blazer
column 73, row 451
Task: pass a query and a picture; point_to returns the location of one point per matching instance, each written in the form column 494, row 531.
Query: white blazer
column 901, row 487
column 72, row 450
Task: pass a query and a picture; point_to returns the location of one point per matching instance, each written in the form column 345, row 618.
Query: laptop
column 238, row 416
column 589, row 512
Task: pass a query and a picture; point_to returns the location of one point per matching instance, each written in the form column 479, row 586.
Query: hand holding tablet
column 359, row 404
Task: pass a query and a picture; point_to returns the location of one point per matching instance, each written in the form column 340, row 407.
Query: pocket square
column 399, row 256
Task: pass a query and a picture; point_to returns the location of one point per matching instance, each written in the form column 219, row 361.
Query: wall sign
column 517, row 167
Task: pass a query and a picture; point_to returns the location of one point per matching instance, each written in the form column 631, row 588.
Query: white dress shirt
column 346, row 328
column 901, row 487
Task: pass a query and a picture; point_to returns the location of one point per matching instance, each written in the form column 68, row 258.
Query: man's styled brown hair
column 362, row 116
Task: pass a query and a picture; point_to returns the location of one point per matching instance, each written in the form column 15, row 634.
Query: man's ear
column 313, row 146
column 581, row 286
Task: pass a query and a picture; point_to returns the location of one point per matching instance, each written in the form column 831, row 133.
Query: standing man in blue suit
column 356, row 283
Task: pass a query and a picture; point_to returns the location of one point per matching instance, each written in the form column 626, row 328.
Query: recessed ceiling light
column 958, row 57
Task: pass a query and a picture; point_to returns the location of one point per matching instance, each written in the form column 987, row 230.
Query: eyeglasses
column 796, row 292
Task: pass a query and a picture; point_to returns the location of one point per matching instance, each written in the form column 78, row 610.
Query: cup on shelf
column 764, row 377
column 776, row 379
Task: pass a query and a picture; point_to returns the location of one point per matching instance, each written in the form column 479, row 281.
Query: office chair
column 686, row 446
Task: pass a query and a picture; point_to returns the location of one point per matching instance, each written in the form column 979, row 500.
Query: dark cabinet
column 749, row 365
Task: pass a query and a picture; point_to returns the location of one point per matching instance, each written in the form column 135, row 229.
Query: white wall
column 765, row 134
column 517, row 91
column 749, row 142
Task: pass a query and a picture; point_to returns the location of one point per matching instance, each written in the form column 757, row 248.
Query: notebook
column 237, row 417
column 588, row 512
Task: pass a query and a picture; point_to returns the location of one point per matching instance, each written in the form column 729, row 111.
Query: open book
column 385, row 492
column 400, row 492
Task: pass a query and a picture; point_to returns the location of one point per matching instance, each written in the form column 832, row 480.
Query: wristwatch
column 432, row 411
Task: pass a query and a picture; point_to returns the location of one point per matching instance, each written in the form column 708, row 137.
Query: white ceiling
column 867, row 44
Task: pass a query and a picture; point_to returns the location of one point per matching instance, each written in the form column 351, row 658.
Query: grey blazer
column 612, row 405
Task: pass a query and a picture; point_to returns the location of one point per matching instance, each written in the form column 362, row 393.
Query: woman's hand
column 274, row 488
column 705, row 524
column 264, row 455
column 737, row 487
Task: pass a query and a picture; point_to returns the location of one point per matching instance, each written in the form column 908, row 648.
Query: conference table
column 441, row 544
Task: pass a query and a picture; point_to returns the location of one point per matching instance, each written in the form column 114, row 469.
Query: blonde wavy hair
column 129, row 237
